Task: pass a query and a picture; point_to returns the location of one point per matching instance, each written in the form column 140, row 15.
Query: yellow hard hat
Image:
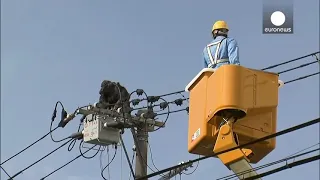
column 220, row 25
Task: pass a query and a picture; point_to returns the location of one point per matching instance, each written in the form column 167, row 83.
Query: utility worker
column 223, row 49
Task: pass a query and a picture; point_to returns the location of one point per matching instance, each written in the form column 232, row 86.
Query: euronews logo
column 277, row 17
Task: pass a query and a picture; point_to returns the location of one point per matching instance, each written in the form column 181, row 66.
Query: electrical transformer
column 96, row 132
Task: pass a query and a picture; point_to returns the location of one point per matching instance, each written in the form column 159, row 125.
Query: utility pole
column 141, row 140
column 140, row 137
column 102, row 127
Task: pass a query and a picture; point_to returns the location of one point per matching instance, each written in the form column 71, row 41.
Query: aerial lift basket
column 248, row 96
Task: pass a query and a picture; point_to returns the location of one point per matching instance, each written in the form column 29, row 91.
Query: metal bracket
column 122, row 121
column 236, row 160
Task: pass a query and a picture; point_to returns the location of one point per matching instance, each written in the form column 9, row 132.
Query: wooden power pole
column 140, row 136
column 141, row 143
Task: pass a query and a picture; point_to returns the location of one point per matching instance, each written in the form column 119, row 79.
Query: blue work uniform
column 221, row 51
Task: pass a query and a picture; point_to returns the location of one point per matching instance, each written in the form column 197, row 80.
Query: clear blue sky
column 62, row 50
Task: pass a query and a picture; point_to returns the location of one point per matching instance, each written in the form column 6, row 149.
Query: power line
column 175, row 111
column 114, row 155
column 5, row 171
column 35, row 142
column 162, row 105
column 266, row 68
column 286, row 62
column 267, row 165
column 127, row 157
column 286, row 82
column 298, row 67
column 187, row 108
column 21, row 171
column 294, row 128
column 302, row 77
column 292, row 156
column 151, row 156
column 80, row 155
column 304, row 150
column 194, row 170
column 132, row 163
column 287, row 166
column 165, row 105
column 41, row 138
column 86, row 157
column 168, row 94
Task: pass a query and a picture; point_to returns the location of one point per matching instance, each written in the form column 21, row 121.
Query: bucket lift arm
column 236, row 160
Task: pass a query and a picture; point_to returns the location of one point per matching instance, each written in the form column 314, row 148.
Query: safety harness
column 215, row 60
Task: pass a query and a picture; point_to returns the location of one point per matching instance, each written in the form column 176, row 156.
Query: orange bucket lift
column 231, row 106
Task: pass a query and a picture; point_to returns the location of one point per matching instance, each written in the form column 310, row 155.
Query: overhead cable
column 131, row 163
column 100, row 158
column 80, row 155
column 301, row 78
column 54, row 115
column 163, row 105
column 287, row 166
column 166, row 106
column 286, row 82
column 88, row 157
column 294, row 128
column 151, row 156
column 168, row 94
column 298, row 67
column 266, row 68
column 175, row 111
column 32, row 144
column 127, row 157
column 194, row 170
column 317, row 59
column 286, row 62
column 21, row 171
column 50, row 132
column 187, row 108
column 286, row 159
column 41, row 138
column 5, row 172
column 115, row 153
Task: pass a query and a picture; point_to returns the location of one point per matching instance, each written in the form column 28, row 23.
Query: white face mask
column 221, row 31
